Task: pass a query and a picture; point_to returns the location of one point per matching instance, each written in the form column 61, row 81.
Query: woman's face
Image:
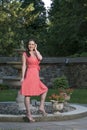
column 31, row 45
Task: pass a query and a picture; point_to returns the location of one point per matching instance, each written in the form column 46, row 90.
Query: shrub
column 84, row 54
column 3, row 87
column 60, row 83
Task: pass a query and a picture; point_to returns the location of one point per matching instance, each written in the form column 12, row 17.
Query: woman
column 30, row 82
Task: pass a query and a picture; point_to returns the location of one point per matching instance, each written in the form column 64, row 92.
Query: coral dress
column 32, row 85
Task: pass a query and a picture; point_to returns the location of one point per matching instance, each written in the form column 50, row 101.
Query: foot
column 42, row 111
column 30, row 118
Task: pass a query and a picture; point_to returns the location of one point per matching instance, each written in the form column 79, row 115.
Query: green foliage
column 62, row 33
column 75, row 55
column 4, row 87
column 12, row 27
column 39, row 22
column 78, row 95
column 8, row 95
column 83, row 54
column 67, row 32
column 38, row 28
column 19, row 23
column 60, row 83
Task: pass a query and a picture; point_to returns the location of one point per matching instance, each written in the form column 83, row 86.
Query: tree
column 13, row 22
column 38, row 28
column 68, row 34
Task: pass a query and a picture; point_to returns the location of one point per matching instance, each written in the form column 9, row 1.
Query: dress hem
column 33, row 94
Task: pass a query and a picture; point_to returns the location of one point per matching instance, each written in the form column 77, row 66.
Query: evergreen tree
column 67, row 33
column 38, row 28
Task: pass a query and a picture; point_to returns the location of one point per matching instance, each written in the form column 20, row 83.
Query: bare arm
column 39, row 56
column 23, row 67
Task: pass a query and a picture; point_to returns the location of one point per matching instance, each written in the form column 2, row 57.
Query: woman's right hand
column 22, row 80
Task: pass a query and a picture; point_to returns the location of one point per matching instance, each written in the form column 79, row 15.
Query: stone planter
column 57, row 106
column 67, row 97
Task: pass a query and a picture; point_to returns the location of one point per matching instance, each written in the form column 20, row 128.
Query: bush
column 3, row 87
column 60, row 83
column 75, row 55
column 84, row 54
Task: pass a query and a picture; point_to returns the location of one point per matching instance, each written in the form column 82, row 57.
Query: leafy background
column 63, row 32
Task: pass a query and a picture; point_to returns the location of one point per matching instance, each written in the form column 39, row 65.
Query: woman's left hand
column 35, row 47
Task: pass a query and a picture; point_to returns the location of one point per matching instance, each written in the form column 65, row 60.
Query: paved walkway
column 76, row 124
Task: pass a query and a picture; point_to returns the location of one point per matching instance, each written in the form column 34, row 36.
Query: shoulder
column 24, row 54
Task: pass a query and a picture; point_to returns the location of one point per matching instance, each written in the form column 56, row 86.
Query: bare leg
column 43, row 97
column 27, row 105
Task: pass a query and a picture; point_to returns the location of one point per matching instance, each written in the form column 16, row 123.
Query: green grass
column 78, row 96
column 8, row 95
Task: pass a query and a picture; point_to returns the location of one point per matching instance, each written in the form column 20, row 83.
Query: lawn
column 78, row 96
column 8, row 95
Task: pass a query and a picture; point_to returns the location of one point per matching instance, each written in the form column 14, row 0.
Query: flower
column 69, row 91
column 55, row 97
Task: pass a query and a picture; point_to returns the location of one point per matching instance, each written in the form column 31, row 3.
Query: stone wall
column 76, row 74
column 74, row 68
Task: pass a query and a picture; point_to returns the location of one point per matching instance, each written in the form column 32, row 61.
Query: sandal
column 42, row 112
column 30, row 118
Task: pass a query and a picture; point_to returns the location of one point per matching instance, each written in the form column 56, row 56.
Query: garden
column 30, row 16
column 59, row 92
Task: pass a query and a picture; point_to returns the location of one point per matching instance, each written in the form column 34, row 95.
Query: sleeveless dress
column 32, row 85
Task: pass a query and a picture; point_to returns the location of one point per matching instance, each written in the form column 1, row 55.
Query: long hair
column 27, row 48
